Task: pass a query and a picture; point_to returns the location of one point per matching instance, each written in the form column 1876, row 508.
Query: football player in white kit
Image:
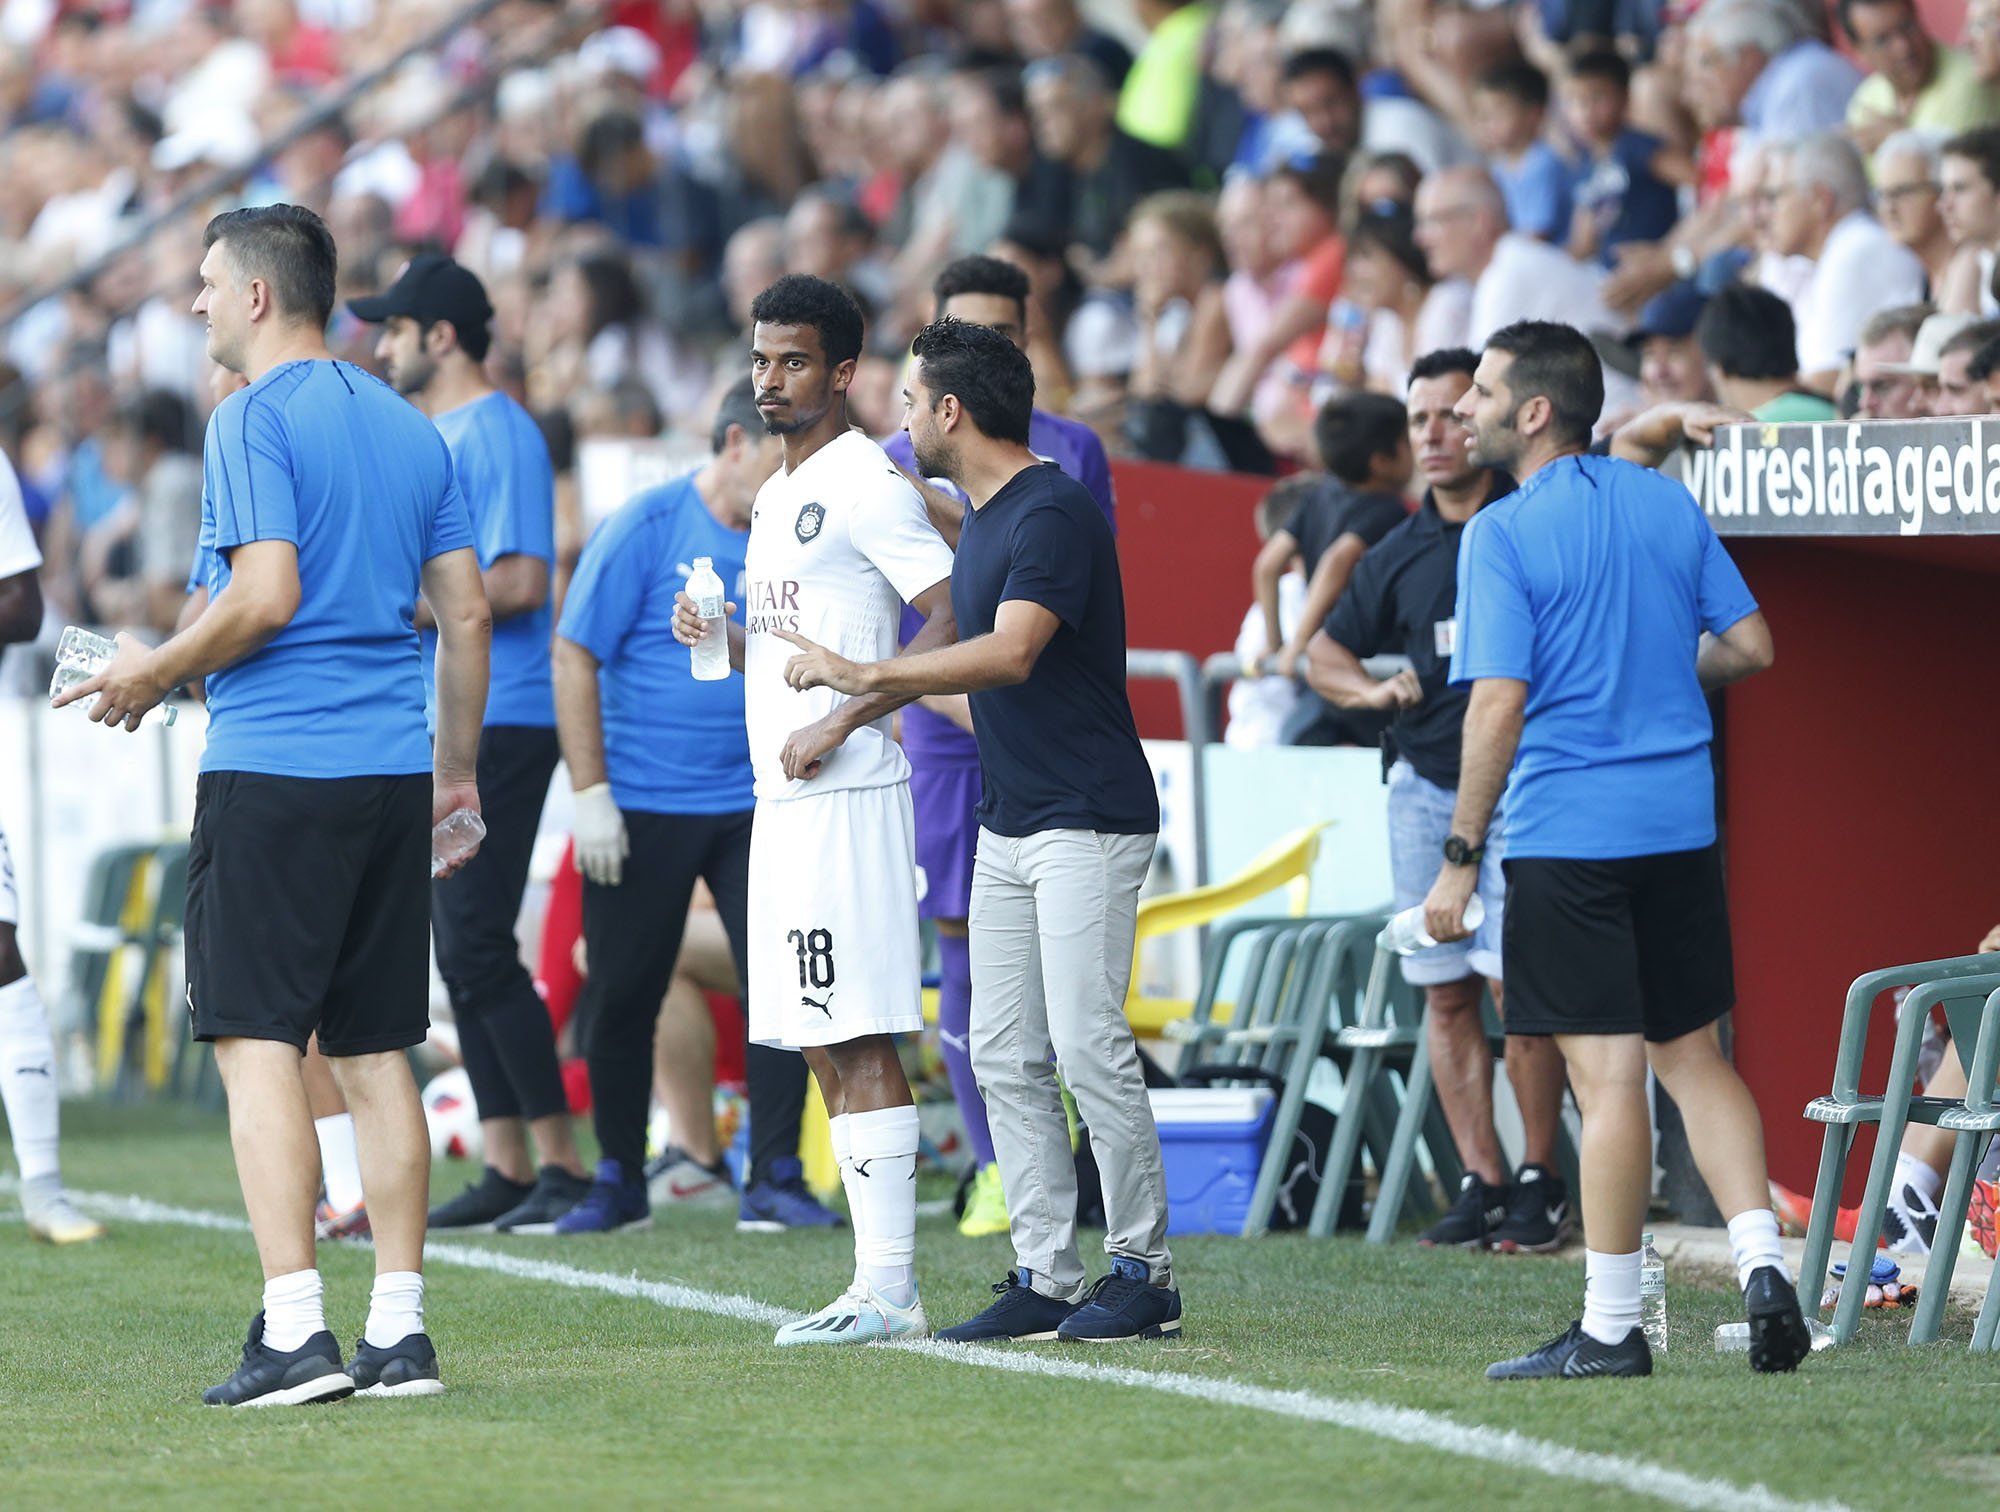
column 27, row 1049
column 839, row 541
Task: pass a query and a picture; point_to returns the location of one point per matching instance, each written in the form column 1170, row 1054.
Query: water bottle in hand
column 455, row 837
column 1406, row 932
column 1652, row 1295
column 80, row 656
column 709, row 656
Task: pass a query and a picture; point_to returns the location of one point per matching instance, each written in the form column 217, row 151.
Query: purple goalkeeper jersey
column 1072, row 446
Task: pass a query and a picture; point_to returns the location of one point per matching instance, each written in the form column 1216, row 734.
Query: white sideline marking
column 1402, row 1425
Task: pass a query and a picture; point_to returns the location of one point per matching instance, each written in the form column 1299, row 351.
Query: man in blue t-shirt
column 1067, row 823
column 937, row 731
column 661, row 767
column 1596, row 609
column 435, row 323
column 328, row 503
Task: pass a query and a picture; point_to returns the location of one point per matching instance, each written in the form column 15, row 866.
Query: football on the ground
column 453, row 1116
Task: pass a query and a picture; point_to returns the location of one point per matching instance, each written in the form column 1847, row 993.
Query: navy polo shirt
column 1403, row 599
column 1059, row 751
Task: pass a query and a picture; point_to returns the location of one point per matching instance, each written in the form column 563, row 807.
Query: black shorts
column 1638, row 945
column 308, row 910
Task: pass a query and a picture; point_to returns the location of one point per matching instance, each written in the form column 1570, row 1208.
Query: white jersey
column 837, row 547
column 18, row 551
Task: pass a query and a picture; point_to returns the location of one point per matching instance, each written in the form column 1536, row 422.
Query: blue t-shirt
column 1622, row 186
column 509, row 486
column 327, row 456
column 1536, row 190
column 1072, row 446
column 1059, row 751
column 1592, row 583
column 672, row 745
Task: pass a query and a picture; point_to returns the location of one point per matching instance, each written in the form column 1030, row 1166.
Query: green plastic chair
column 1961, row 984
column 1973, row 1123
column 1275, row 1027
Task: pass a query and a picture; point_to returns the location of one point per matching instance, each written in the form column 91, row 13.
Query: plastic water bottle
column 1652, row 1295
column 80, row 656
column 455, row 836
column 1734, row 1338
column 1406, row 933
column 709, row 656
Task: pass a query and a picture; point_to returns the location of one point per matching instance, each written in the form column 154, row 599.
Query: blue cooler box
column 1212, row 1139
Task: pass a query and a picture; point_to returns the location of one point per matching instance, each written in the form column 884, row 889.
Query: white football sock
column 1911, row 1171
column 339, row 1161
column 294, row 1310
column 1610, row 1295
column 1753, row 1241
column 882, row 1194
column 28, row 1078
column 838, row 1137
column 395, row 1308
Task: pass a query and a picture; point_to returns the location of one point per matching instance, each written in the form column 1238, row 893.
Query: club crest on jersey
column 811, row 518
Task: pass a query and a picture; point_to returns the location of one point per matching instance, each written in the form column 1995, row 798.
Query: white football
column 453, row 1116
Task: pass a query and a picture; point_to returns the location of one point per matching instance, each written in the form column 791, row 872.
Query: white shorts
column 10, row 900
column 833, row 918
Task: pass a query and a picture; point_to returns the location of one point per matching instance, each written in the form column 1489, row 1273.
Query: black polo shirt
column 1059, row 751
column 1403, row 598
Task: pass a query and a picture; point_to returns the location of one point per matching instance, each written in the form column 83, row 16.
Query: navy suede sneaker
column 293, row 1378
column 1018, row 1312
column 1124, row 1305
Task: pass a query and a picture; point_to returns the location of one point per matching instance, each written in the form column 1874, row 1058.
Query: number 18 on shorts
column 833, row 918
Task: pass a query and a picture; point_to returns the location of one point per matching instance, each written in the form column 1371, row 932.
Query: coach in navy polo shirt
column 1596, row 608
column 327, row 503
column 1068, row 821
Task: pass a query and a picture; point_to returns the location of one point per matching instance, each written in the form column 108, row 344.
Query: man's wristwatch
column 1460, row 852
column 1685, row 263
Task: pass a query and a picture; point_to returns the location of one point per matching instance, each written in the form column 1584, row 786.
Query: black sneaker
column 1574, row 1354
column 409, row 1367
column 1471, row 1221
column 1020, row 1312
column 268, row 1378
column 1124, row 1305
column 1779, row 1339
column 491, row 1197
column 1537, row 1220
column 554, row 1193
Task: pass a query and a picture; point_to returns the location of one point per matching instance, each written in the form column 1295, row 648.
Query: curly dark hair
column 989, row 374
column 799, row 299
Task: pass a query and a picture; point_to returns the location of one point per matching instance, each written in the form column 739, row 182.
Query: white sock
column 838, row 1137
column 1911, row 1171
column 1610, row 1295
column 395, row 1308
column 339, row 1161
column 28, row 1078
column 294, row 1310
column 882, row 1194
column 1753, row 1240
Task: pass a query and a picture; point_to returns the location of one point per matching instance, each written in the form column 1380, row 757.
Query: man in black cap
column 434, row 340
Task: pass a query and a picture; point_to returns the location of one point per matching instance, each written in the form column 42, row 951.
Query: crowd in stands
column 1232, row 213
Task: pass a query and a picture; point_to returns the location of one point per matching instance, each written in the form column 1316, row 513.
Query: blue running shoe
column 409, row 1367
column 1019, row 1312
column 783, row 1202
column 1124, row 1305
column 612, row 1203
column 292, row 1378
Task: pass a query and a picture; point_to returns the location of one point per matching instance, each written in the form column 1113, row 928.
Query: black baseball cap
column 432, row 288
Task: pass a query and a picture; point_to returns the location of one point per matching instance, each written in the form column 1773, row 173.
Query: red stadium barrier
column 1185, row 544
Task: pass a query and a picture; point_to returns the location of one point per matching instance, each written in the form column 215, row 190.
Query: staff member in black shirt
column 1402, row 599
column 1068, row 818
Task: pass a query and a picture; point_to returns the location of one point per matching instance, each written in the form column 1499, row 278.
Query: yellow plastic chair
column 1286, row 863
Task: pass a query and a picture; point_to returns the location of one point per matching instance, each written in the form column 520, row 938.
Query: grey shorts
column 1419, row 820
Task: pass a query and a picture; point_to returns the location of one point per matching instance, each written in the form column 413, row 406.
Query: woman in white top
column 1394, row 311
